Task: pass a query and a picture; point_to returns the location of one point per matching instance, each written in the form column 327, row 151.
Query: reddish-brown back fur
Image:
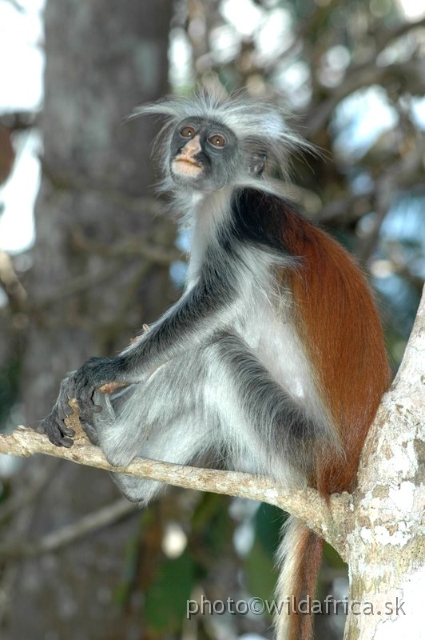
column 340, row 328
column 339, row 325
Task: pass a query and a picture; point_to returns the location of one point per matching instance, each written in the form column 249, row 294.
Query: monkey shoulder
column 262, row 218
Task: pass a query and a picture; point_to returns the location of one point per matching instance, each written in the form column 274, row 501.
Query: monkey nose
column 192, row 147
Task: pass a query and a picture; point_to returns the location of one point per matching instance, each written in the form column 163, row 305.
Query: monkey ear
column 257, row 162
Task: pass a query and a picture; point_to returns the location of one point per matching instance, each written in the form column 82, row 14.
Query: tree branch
column 306, row 504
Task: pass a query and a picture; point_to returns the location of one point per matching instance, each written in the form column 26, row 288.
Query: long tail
column 300, row 554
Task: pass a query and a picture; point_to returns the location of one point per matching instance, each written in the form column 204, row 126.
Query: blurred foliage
column 9, row 386
column 169, row 593
column 261, row 571
column 352, row 74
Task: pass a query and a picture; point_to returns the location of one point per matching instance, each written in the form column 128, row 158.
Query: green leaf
column 268, row 527
column 167, row 596
column 261, row 575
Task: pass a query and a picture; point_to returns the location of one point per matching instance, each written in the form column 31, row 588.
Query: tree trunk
column 385, row 545
column 102, row 60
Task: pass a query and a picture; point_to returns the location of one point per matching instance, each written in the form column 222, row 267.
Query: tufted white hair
column 258, row 123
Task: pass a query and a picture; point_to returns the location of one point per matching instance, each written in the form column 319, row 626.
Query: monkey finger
column 85, row 416
column 84, row 394
column 86, row 413
column 67, row 410
column 66, row 442
column 90, row 431
column 63, row 412
column 56, row 431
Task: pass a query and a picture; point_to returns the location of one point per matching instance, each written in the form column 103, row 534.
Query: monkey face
column 203, row 154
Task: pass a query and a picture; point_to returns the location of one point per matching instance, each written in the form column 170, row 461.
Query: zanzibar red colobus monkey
column 273, row 358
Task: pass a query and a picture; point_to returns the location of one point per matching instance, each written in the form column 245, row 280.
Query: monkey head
column 204, row 154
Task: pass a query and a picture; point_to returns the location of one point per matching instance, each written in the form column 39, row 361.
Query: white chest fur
column 261, row 314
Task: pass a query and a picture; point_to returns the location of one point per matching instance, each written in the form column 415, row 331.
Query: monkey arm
column 188, row 323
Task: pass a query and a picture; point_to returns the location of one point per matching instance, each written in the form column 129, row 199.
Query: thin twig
column 384, row 189
column 40, row 477
column 70, row 533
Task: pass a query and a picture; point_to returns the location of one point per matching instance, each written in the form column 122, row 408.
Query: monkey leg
column 218, row 398
column 162, row 419
column 265, row 428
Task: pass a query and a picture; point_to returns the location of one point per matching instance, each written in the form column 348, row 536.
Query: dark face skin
column 204, row 154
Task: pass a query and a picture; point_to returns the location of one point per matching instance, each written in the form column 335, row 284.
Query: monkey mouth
column 188, row 161
column 186, row 167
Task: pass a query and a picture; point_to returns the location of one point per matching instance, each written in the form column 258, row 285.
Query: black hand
column 53, row 425
column 93, row 374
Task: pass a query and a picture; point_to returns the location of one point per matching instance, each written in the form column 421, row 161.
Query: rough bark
column 102, row 60
column 385, row 546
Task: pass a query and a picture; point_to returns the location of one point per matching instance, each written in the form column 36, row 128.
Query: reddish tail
column 301, row 554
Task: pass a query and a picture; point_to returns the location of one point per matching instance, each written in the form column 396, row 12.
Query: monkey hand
column 54, row 425
column 80, row 384
column 104, row 374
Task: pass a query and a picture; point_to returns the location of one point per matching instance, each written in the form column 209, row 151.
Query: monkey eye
column 217, row 140
column 188, row 131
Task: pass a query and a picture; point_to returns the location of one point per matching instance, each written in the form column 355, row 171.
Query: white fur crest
column 251, row 120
